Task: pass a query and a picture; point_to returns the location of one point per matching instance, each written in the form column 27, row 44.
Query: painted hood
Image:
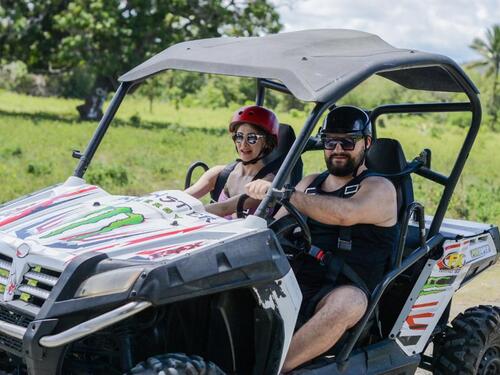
column 67, row 220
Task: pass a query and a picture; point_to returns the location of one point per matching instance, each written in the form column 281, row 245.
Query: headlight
column 109, row 282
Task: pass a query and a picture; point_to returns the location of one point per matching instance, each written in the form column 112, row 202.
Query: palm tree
column 489, row 49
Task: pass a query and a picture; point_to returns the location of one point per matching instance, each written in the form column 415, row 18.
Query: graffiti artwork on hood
column 38, row 207
column 113, row 218
column 164, row 251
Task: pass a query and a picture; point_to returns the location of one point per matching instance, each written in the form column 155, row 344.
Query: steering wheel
column 292, row 230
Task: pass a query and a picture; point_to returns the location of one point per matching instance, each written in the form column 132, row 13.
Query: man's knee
column 346, row 303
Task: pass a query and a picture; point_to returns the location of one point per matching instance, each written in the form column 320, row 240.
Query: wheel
column 176, row 364
column 471, row 346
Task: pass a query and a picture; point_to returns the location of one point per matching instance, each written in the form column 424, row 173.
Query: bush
column 32, row 84
column 14, row 76
column 135, row 120
column 39, row 169
column 11, row 152
column 11, row 74
column 211, row 97
column 78, row 83
column 107, row 176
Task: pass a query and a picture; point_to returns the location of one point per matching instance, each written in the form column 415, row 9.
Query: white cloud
column 439, row 26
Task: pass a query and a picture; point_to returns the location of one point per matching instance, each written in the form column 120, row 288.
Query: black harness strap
column 224, row 175
column 221, row 181
column 344, row 240
column 335, row 266
column 264, row 171
column 318, row 180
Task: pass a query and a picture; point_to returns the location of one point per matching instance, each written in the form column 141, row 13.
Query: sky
column 439, row 26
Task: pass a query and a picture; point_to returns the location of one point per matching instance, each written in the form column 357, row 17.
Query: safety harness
column 335, row 263
column 224, row 175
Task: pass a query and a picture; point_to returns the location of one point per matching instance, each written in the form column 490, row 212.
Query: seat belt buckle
column 345, row 245
column 317, row 253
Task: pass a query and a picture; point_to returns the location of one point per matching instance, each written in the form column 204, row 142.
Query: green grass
column 135, row 111
column 145, row 152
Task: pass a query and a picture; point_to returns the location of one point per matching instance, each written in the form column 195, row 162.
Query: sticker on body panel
column 205, row 216
column 452, row 261
column 423, row 316
column 480, row 251
column 166, row 251
column 426, row 303
column 120, row 217
column 436, row 284
column 481, row 248
column 459, row 253
column 46, row 204
column 167, row 203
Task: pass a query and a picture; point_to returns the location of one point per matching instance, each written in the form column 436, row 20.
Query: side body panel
column 285, row 298
column 460, row 261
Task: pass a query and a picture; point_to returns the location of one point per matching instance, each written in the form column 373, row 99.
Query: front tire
column 471, row 346
column 176, row 364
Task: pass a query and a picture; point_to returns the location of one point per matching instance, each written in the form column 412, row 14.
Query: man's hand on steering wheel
column 285, row 227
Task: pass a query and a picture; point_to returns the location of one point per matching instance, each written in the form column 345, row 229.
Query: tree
column 109, row 37
column 489, row 49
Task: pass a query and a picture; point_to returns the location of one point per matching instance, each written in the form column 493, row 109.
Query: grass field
column 144, row 151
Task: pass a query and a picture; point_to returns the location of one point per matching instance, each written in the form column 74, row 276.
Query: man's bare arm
column 301, row 186
column 374, row 203
column 258, row 189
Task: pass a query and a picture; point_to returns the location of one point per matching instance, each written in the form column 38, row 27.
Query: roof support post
column 87, row 156
column 261, row 93
column 292, row 157
column 416, row 108
column 463, row 154
column 274, row 86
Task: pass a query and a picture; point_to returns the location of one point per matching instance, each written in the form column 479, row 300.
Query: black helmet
column 347, row 119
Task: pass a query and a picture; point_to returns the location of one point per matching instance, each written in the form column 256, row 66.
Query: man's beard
column 347, row 169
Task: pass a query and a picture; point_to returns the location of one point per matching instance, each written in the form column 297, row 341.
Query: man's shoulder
column 379, row 183
column 310, row 177
column 306, row 181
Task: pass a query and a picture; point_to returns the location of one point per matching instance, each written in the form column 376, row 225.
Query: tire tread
column 176, row 364
column 461, row 347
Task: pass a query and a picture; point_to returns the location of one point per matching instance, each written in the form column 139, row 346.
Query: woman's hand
column 257, row 189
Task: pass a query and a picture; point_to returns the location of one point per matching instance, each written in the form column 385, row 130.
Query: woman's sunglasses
column 347, row 143
column 251, row 138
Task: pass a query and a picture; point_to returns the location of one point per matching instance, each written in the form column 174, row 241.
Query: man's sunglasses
column 251, row 138
column 347, row 144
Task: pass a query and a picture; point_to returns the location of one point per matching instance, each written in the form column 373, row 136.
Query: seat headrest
column 385, row 155
column 286, row 137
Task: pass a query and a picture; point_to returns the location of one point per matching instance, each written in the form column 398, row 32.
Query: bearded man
column 352, row 216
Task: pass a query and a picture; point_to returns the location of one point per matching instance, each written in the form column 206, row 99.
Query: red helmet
column 261, row 117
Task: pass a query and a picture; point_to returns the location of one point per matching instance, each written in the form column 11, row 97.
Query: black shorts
column 311, row 276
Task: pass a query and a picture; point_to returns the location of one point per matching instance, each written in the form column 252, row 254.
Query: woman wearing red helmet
column 254, row 131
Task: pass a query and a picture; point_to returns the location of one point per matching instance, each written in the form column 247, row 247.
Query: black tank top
column 372, row 245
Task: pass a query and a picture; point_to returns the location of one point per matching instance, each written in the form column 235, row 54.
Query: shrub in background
column 11, row 74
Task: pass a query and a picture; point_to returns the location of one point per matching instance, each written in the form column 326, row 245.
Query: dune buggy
column 94, row 283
